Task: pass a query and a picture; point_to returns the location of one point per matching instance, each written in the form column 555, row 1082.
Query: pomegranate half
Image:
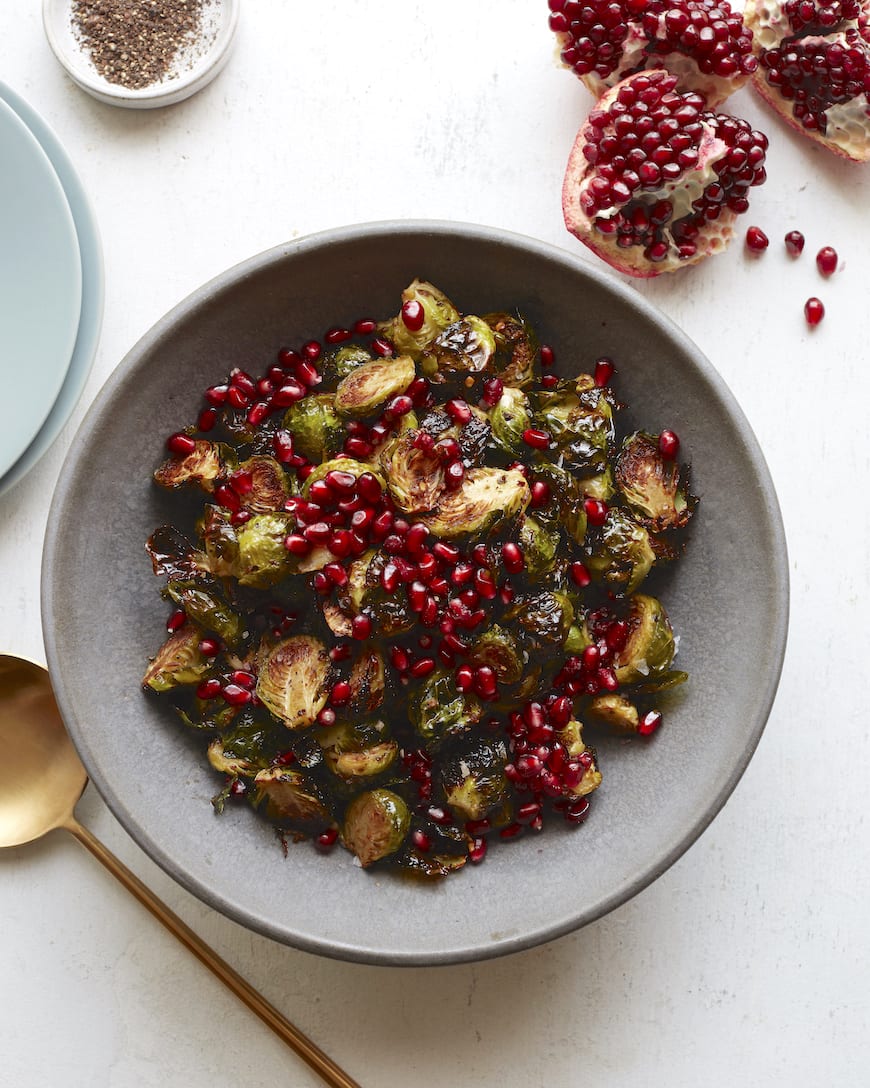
column 703, row 42
column 814, row 68
column 655, row 180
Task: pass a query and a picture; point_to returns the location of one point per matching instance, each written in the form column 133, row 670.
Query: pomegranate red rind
column 703, row 42
column 814, row 69
column 655, row 180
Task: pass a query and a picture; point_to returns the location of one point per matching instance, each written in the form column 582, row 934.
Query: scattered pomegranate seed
column 327, row 838
column 236, row 695
column 365, row 326
column 207, row 419
column 814, row 311
column 216, row 395
column 209, row 689
column 382, row 347
column 413, row 315
column 514, row 560
column 492, row 392
column 311, row 350
column 361, row 627
column 649, row 723
column 419, row 838
column 604, row 369
column 341, row 693
column 794, row 243
column 326, row 717
column 826, row 260
column 477, row 850
column 535, row 438
column 180, row 444
column 596, row 511
column 580, row 576
column 548, row 356
column 209, row 647
column 458, row 410
column 177, row 620
column 756, row 239
column 422, row 667
column 540, row 494
column 669, row 445
column 337, row 335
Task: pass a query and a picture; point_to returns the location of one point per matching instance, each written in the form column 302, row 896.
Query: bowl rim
column 778, row 619
column 187, row 83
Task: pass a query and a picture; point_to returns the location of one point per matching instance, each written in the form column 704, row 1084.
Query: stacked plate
column 51, row 287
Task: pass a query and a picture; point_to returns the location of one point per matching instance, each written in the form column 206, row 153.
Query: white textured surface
column 747, row 963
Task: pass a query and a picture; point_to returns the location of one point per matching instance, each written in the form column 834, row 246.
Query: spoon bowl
column 42, row 778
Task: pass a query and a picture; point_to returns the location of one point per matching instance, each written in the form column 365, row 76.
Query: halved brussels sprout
column 599, row 486
column 565, row 507
column 351, row 755
column 542, row 620
column 337, row 620
column 220, row 541
column 650, row 647
column 288, row 795
column 438, row 313
column 204, row 605
column 516, row 348
column 294, row 680
column 262, row 558
column 474, row 437
column 487, row 497
column 580, row 425
column 375, row 825
column 509, row 419
column 367, row 682
column 654, row 488
column 316, row 427
column 571, row 738
column 205, row 464
column 474, row 781
column 620, row 555
column 438, row 710
column 415, row 476
column 268, row 484
column 173, row 554
column 178, row 661
column 616, row 711
column 245, row 749
column 464, row 349
column 539, row 544
column 370, row 386
column 341, row 361
column 498, row 648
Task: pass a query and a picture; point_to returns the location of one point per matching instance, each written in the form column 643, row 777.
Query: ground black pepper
column 135, row 43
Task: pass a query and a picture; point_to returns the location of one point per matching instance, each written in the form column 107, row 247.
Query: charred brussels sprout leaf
column 464, row 349
column 581, row 428
column 367, row 682
column 498, row 648
column 653, row 487
column 178, row 661
column 415, row 477
column 266, row 484
column 288, row 795
column 294, row 681
column 621, row 554
column 439, row 711
column 173, row 554
column 316, row 427
column 375, row 825
column 204, row 465
column 371, row 385
column 516, row 349
column 487, row 497
column 220, row 541
column 438, row 313
column 509, row 418
column 649, row 650
column 262, row 558
column 543, row 619
column 245, row 749
column 207, row 608
column 474, row 781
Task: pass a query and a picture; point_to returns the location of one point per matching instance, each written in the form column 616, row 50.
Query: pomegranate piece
column 794, row 243
column 655, row 180
column 826, row 260
column 756, row 240
column 814, row 68
column 814, row 311
column 703, row 42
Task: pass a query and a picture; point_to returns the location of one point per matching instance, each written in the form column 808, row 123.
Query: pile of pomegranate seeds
column 391, row 628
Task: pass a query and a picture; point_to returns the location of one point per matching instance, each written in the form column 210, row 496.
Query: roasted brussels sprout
column 178, row 661
column 173, row 554
column 264, row 482
column 509, row 418
column 375, row 825
column 650, row 647
column 367, row 681
column 621, row 555
column 516, row 349
column 486, row 498
column 539, row 544
column 245, row 749
column 438, row 711
column 571, row 739
column 262, row 559
column 653, row 487
column 204, row 465
column 437, row 313
column 415, row 476
column 340, row 464
column 616, row 711
column 351, row 754
column 316, row 427
column 580, row 426
column 498, row 648
column 294, row 680
column 220, row 541
column 543, row 619
column 474, row 781
column 463, row 350
column 288, row 795
column 370, row 386
column 204, row 605
column 341, row 361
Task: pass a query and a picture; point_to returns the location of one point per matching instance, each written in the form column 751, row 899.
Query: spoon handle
column 307, row 1050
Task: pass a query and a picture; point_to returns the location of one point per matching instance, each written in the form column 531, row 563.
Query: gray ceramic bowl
column 103, row 616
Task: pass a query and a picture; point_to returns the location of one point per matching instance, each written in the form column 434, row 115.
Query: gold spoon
column 41, row 780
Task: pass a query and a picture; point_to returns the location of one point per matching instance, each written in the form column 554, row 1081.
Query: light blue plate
column 91, row 290
column 40, row 286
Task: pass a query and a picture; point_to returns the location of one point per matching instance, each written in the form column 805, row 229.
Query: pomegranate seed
column 419, row 838
column 227, row 497
column 209, row 647
column 361, row 627
column 238, row 787
column 549, row 381
column 422, row 667
column 604, row 370
column 243, row 678
column 649, row 723
column 282, row 445
column 511, row 831
column 794, row 243
column 413, row 315
column 368, row 487
column 548, row 356
column 537, row 439
column 344, row 483
column 461, row 573
column 448, row 450
column 562, row 710
column 514, row 560
column 341, row 693
column 308, row 373
column 320, row 493
column 340, row 652
column 669, row 445
column 243, row 382
column 181, row 444
column 580, row 576
column 207, row 419
column 288, row 393
column 458, row 410
column 327, row 838
column 258, row 413
column 756, row 239
column 477, row 850
column 577, row 811
column 176, row 620
column 454, row 474
column 365, row 326
column 357, row 447
column 447, row 553
column 326, row 717
column 237, row 398
column 382, row 347
column 336, row 335
column 540, row 494
column 415, row 538
column 311, row 350
column 236, row 695
column 438, row 816
column 209, row 689
column 336, row 574
column 826, row 260
column 485, row 682
column 596, row 511
column 399, row 658
column 492, row 392
column 318, row 533
column 429, row 613
column 814, row 311
column 399, row 406
column 320, row 583
column 216, row 395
